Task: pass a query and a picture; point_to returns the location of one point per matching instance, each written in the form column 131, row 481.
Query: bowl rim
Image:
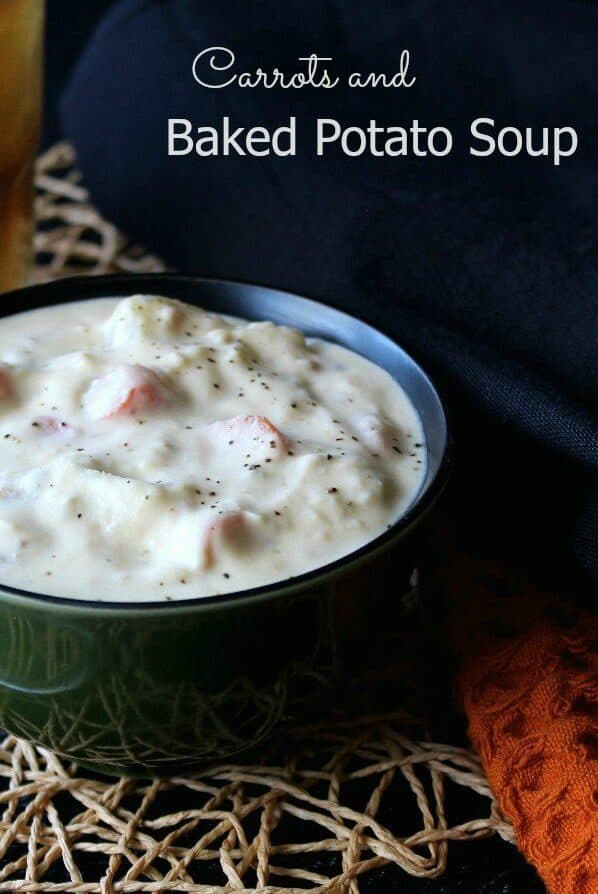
column 100, row 284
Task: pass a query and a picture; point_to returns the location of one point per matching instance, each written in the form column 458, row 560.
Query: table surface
column 483, row 867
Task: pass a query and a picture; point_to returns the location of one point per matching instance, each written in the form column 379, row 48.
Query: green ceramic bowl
column 150, row 688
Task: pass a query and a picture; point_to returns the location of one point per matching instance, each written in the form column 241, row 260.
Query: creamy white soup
column 150, row 450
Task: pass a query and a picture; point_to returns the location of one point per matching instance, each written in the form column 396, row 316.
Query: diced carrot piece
column 139, row 398
column 124, row 391
column 6, row 385
column 225, row 529
column 260, row 427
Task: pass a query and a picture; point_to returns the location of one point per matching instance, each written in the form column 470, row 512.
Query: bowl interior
column 255, row 302
column 316, row 319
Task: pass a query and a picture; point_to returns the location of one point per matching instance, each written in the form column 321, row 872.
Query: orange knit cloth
column 528, row 682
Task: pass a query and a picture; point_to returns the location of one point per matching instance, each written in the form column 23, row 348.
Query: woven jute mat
column 71, row 238
column 338, row 801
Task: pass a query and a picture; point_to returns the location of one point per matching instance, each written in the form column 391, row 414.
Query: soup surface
column 150, row 450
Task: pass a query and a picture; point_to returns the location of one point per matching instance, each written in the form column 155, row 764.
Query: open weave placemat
column 337, row 807
column 71, row 237
column 322, row 808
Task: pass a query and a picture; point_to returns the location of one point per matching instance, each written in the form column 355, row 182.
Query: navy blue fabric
column 487, row 269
